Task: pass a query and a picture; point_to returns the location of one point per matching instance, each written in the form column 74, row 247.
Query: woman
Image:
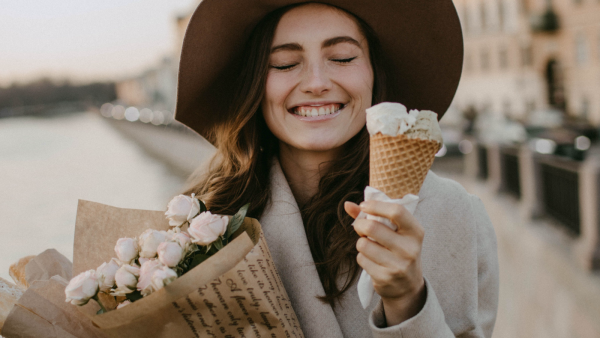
column 281, row 89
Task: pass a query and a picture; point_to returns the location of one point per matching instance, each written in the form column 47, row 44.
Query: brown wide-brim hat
column 421, row 41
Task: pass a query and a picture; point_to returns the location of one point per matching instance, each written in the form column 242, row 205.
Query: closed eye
column 343, row 60
column 285, row 67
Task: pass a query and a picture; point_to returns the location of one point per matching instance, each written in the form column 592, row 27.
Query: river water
column 47, row 164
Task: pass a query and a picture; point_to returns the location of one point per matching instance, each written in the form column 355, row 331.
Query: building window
column 482, row 16
column 501, row 14
column 462, row 15
column 529, row 106
column 503, row 58
column 581, row 52
column 585, row 107
column 485, row 60
column 526, row 55
column 468, row 62
column 598, row 49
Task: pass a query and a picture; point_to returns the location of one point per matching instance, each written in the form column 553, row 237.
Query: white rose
column 170, row 253
column 126, row 278
column 149, row 241
column 206, row 228
column 82, row 287
column 106, row 274
column 143, row 260
column 126, row 250
column 125, row 303
column 181, row 209
column 183, row 240
column 161, row 277
column 146, row 271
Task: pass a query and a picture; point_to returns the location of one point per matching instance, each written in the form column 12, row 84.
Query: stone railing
column 546, row 185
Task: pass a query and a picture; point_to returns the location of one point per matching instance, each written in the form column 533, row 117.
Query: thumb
column 352, row 209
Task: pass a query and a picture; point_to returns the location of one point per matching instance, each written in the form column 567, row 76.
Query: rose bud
column 206, row 228
column 181, row 209
column 82, row 287
column 146, row 271
column 126, row 250
column 126, row 277
column 163, row 276
column 170, row 253
column 149, row 241
column 106, row 274
column 125, row 303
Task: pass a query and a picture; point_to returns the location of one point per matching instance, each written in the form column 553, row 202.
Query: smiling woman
column 287, row 114
column 301, row 60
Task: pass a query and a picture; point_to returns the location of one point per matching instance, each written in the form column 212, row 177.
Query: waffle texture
column 398, row 164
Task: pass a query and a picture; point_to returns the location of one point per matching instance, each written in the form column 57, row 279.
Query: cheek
column 277, row 89
column 358, row 83
column 273, row 104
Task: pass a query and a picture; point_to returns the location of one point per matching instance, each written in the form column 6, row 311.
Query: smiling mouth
column 317, row 110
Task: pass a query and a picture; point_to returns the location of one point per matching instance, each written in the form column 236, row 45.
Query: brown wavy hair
column 239, row 171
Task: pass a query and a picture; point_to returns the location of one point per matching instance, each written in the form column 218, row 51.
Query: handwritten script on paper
column 247, row 301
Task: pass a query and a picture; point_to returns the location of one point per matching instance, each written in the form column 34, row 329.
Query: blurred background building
column 521, row 133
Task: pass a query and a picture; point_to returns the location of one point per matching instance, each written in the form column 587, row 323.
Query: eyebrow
column 325, row 44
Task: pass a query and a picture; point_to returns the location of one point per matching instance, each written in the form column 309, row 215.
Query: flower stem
column 102, row 308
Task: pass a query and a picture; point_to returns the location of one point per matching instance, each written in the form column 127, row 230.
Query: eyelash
column 287, row 67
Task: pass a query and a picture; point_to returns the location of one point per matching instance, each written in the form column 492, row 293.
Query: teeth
column 317, row 111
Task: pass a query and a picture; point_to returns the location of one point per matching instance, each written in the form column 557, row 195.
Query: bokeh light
column 146, row 115
column 118, row 112
column 106, row 109
column 132, row 114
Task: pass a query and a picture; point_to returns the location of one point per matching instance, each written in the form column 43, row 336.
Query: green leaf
column 197, row 260
column 236, row 221
column 202, row 206
column 219, row 244
column 133, row 296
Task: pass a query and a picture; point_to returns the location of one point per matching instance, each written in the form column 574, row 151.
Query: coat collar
column 286, row 238
column 284, row 230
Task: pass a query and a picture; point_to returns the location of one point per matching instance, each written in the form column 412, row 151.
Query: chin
column 318, row 144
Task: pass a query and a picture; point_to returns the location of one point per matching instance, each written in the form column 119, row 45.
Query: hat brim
column 421, row 41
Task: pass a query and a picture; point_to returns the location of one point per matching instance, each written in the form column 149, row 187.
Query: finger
column 352, row 209
column 375, row 270
column 375, row 252
column 395, row 213
column 401, row 244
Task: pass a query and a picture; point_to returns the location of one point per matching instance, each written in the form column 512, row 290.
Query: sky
column 85, row 41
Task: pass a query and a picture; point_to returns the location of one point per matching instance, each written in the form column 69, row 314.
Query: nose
column 315, row 80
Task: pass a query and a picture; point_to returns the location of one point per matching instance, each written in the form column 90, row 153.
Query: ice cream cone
column 398, row 164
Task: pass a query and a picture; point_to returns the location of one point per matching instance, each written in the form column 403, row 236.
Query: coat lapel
column 284, row 230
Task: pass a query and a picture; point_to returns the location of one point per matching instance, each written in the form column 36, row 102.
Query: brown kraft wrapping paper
column 235, row 293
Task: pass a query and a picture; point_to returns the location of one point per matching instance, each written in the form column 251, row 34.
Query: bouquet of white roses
column 156, row 258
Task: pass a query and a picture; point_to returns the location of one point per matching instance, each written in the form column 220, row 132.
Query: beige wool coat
column 459, row 261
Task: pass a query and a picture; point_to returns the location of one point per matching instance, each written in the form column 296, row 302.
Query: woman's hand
column 392, row 258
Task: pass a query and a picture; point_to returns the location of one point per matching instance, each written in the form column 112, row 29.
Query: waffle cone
column 398, row 164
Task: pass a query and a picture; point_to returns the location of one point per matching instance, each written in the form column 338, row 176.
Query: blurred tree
column 48, row 92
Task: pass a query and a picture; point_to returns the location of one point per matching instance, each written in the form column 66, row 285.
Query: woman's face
column 320, row 79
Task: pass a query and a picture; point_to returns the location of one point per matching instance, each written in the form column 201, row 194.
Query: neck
column 303, row 170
